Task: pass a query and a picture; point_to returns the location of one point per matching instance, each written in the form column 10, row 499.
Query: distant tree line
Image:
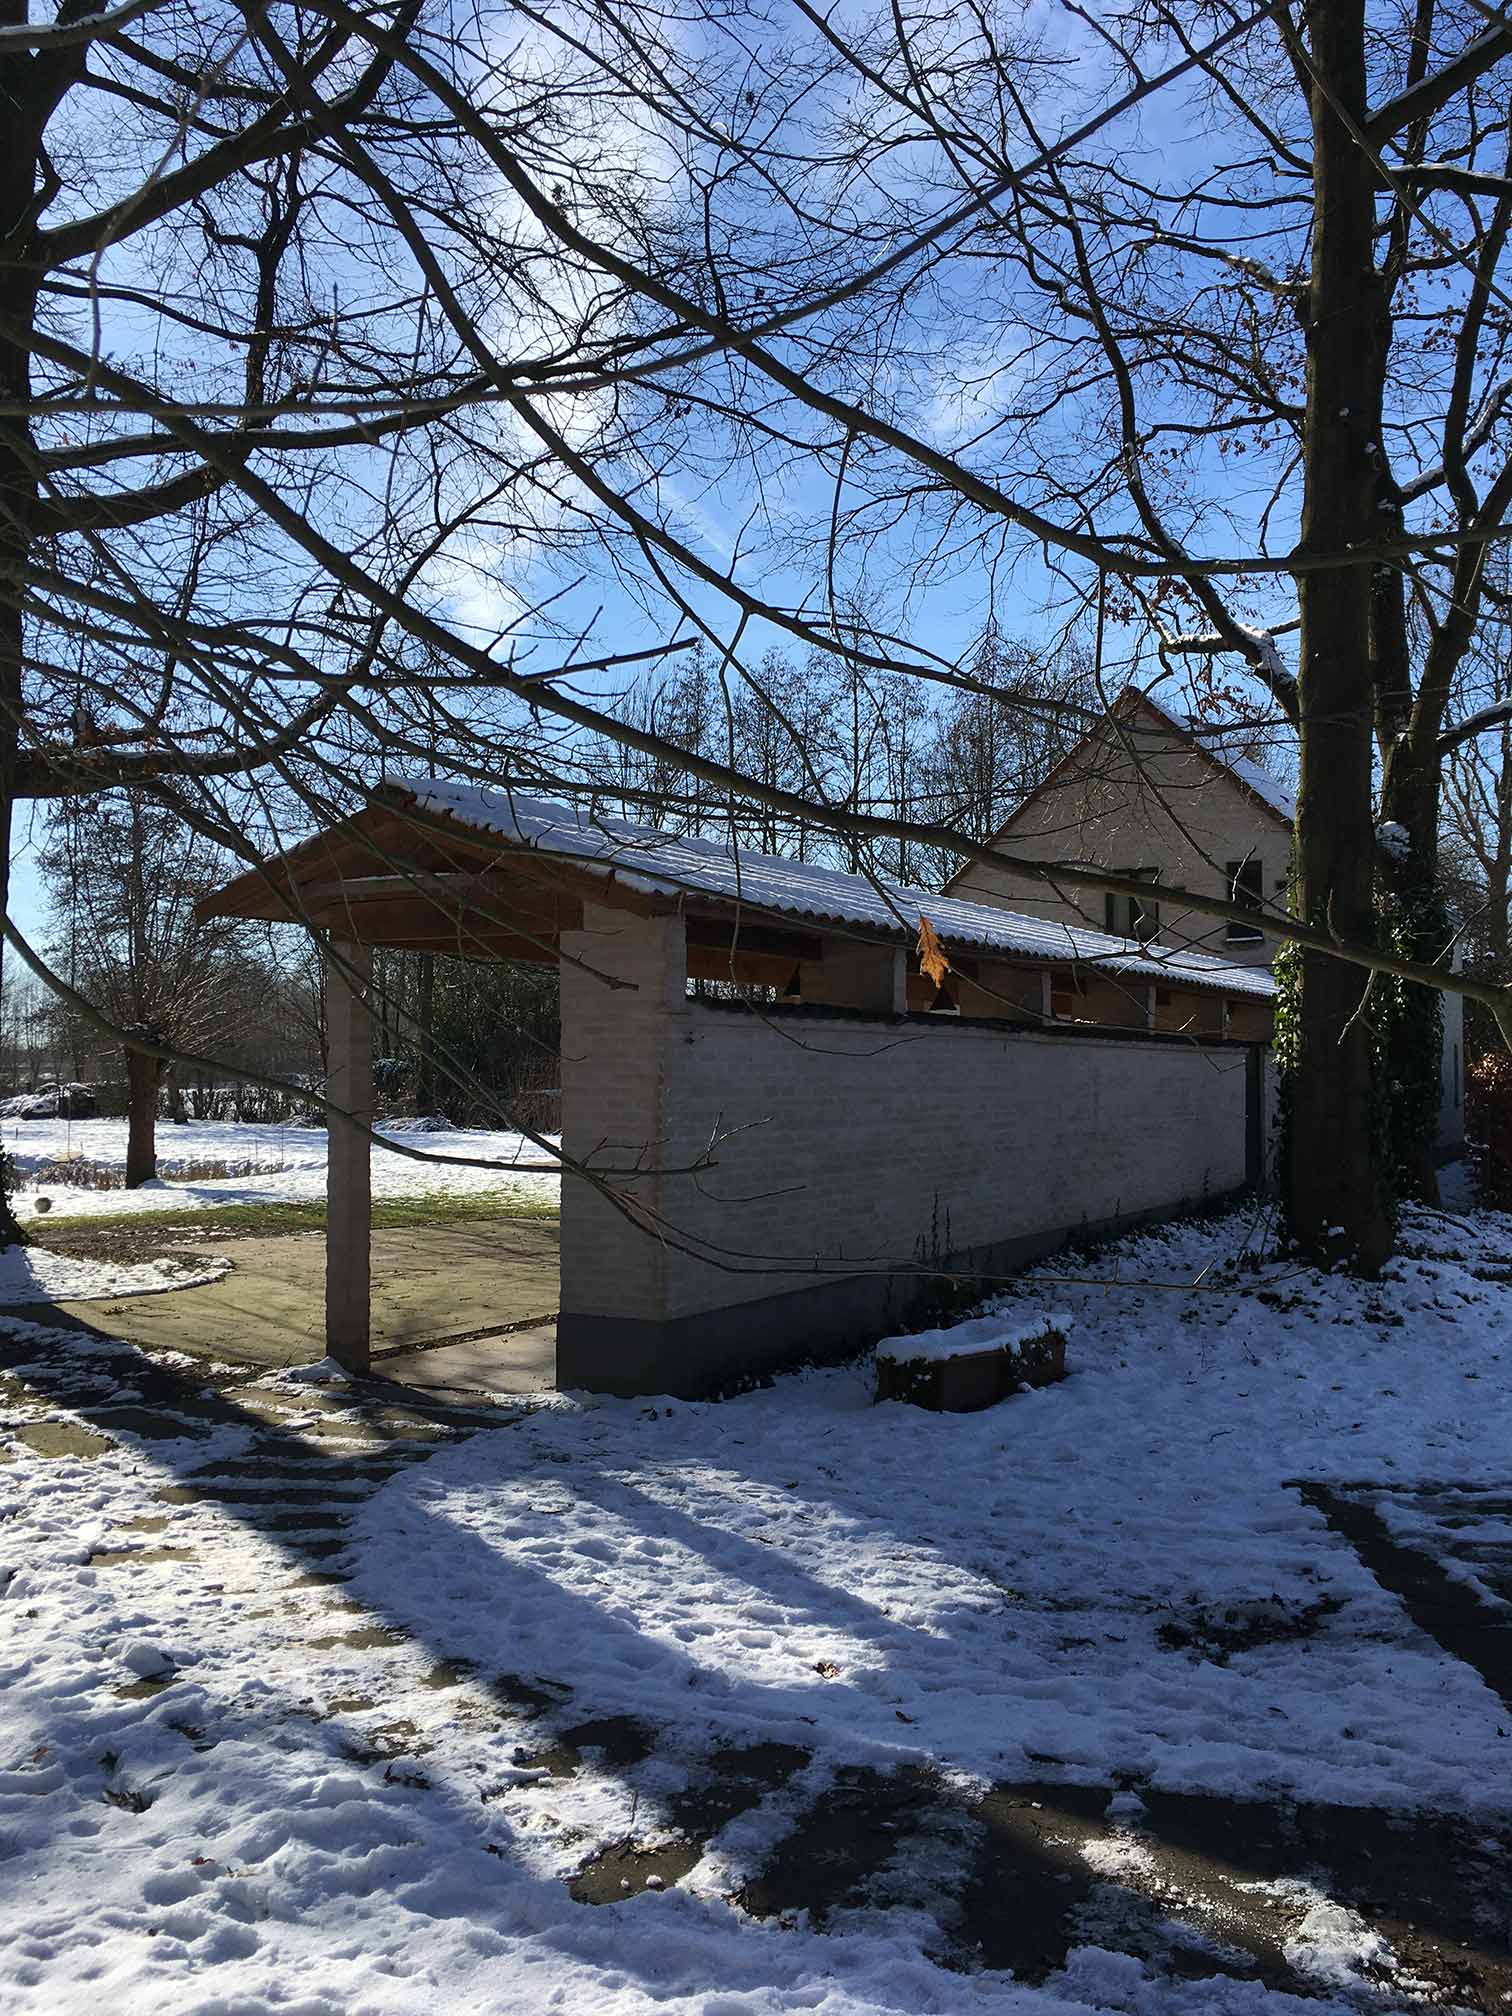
column 821, row 727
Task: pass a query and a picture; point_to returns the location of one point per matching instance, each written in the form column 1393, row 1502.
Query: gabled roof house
column 1180, row 804
column 1161, row 797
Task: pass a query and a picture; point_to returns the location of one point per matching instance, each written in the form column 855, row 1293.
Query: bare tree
column 1478, row 812
column 361, row 352
column 1117, row 347
column 124, row 876
column 249, row 253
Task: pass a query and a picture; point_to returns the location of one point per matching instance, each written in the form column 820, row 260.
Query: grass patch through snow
column 273, row 1220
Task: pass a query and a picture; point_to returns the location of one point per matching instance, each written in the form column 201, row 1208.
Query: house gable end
column 1155, row 734
column 1140, row 794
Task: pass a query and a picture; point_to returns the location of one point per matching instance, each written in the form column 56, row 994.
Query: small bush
column 1488, row 1125
column 255, row 1105
column 80, row 1172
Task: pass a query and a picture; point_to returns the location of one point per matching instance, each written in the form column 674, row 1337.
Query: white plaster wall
column 1170, row 809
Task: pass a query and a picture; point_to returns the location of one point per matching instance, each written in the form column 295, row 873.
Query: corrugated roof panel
column 673, row 864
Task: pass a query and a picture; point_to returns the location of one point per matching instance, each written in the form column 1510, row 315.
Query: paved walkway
column 468, row 1308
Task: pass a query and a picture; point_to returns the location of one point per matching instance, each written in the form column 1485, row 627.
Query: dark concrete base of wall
column 722, row 1350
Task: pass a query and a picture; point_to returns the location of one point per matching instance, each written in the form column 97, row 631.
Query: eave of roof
column 641, row 867
column 688, row 866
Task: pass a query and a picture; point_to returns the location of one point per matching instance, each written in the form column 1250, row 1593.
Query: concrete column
column 349, row 1205
column 856, row 975
column 616, row 1044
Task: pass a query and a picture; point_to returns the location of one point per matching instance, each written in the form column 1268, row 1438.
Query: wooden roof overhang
column 407, row 878
column 416, row 881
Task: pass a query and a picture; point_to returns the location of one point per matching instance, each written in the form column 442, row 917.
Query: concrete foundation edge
column 719, row 1350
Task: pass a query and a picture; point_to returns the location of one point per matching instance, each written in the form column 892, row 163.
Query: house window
column 1247, row 886
column 1132, row 916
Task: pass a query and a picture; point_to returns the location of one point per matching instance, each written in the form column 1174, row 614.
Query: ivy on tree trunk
column 1337, row 1194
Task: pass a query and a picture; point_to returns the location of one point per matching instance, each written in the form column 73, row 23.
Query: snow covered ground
column 362, row 1797
column 32, row 1274
column 282, row 1164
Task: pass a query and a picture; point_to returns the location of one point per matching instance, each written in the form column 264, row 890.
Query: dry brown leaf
column 932, row 960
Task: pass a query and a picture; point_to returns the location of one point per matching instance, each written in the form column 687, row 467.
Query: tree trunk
column 178, row 1112
column 17, row 464
column 1407, row 1022
column 1414, row 914
column 1336, row 1194
column 1499, row 876
column 425, row 1069
column 142, row 1076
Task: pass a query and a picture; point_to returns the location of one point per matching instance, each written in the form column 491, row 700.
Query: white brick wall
column 614, row 1048
column 861, row 1141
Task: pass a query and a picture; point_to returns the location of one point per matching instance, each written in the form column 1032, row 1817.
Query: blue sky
column 947, row 618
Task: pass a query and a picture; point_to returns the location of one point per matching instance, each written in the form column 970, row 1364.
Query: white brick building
column 780, row 1137
column 1154, row 795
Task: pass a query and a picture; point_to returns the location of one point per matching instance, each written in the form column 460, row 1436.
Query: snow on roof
column 1259, row 781
column 684, row 864
column 1249, row 773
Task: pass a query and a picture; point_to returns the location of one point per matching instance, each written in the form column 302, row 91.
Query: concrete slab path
column 487, row 1293
column 511, row 1361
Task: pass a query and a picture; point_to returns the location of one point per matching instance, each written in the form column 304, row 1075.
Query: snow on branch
column 66, row 30
column 1421, row 100
column 1259, row 646
column 1476, row 435
column 1494, row 716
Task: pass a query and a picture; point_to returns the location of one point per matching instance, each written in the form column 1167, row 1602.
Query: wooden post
column 349, row 1087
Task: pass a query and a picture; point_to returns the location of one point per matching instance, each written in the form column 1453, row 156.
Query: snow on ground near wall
column 1000, row 1579
column 985, row 1594
column 288, row 1165
column 31, row 1274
